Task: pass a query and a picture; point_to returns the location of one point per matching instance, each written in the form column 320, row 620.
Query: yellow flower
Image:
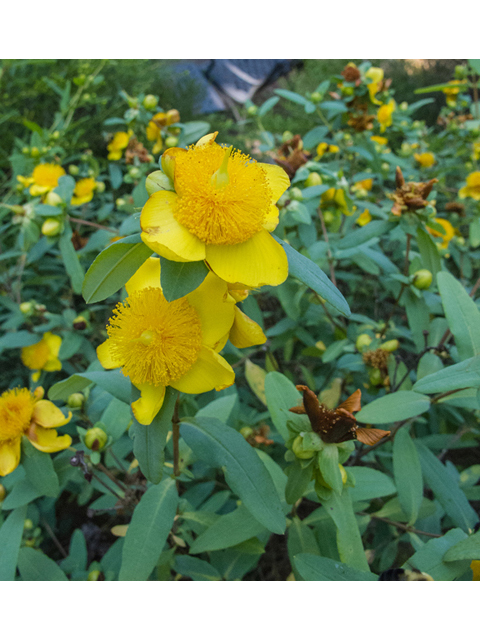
column 379, row 140
column 221, row 211
column 447, row 236
column 83, row 191
column 43, row 355
column 452, row 92
column 157, row 123
column 337, row 197
column 44, row 178
column 472, row 188
column 23, row 413
column 475, row 155
column 363, row 185
column 375, row 74
column 324, row 148
column 425, row 159
column 118, row 144
column 364, row 218
column 159, row 343
column 384, row 115
column 475, row 567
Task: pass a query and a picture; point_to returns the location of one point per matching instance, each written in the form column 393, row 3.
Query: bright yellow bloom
column 23, row 413
column 379, row 140
column 43, row 355
column 159, row 343
column 336, row 197
column 425, row 159
column 43, row 179
column 83, row 191
column 384, row 115
column 475, row 567
column 118, row 144
column 375, row 74
column 472, row 188
column 447, row 236
column 324, row 148
column 26, row 182
column 364, row 218
column 157, row 123
column 363, row 185
column 221, row 211
column 452, row 92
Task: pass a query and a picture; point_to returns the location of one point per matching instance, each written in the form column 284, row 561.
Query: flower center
column 16, row 410
column 47, row 175
column 223, row 194
column 158, row 341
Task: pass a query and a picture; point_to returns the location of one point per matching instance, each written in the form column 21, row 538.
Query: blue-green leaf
column 180, row 278
column 312, row 567
column 10, row 539
column 281, row 395
column 458, row 376
column 408, row 474
column 35, row 566
column 394, row 407
column 112, row 381
column 195, row 568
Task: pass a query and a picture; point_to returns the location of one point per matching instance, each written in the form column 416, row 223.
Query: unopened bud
column 34, row 152
column 375, row 377
column 53, row 199
column 422, row 279
column 171, row 141
column 246, row 432
column 134, row 172
column 390, row 345
column 94, row 575
column 252, row 110
column 26, row 308
column 150, row 101
column 95, row 438
column 75, row 400
column 120, row 202
column 100, row 187
column 286, row 136
column 299, row 451
column 295, row 193
column 27, row 524
column 316, row 97
column 51, row 227
column 3, row 493
column 79, row 323
column 313, row 179
column 363, row 341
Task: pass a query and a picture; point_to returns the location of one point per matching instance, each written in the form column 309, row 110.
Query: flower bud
column 316, row 97
column 34, row 152
column 79, row 323
column 385, row 166
column 246, row 432
column 75, row 400
column 134, row 172
column 51, row 227
column 27, row 524
column 100, row 187
column 375, row 377
column 328, row 217
column 40, row 308
column 120, row 202
column 403, row 106
column 150, row 101
column 422, row 279
column 3, row 493
column 390, row 345
column 348, row 91
column 295, row 193
column 26, row 308
column 171, row 141
column 461, row 72
column 252, row 110
column 363, row 341
column 95, row 438
column 94, row 575
column 286, row 136
column 25, row 150
column 56, row 135
column 53, row 199
column 299, row 451
column 313, row 179
column 132, row 102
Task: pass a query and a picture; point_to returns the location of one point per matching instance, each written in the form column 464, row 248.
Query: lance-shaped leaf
column 458, row 376
column 393, row 407
column 179, row 278
column 313, row 567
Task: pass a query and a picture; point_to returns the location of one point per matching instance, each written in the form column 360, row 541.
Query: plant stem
column 54, row 538
column 93, row 224
column 329, row 253
column 175, row 438
column 400, row 525
column 106, row 471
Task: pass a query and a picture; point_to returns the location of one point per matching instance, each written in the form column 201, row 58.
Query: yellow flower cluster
column 325, row 147
column 157, row 124
column 44, row 178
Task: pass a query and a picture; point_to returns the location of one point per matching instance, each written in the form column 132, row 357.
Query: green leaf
column 16, row 339
column 301, row 539
column 149, row 441
column 310, row 274
column 374, row 229
column 475, row 65
column 349, row 542
column 429, row 252
column 11, row 533
column 429, row 558
column 113, row 267
column 462, row 315
column 458, row 376
column 39, row 470
column 438, row 87
column 70, row 259
column 408, row 474
column 22, row 493
column 255, row 377
column 369, row 484
column 195, row 568
column 294, row 97
column 393, row 407
column 220, row 408
column 113, row 382
column 328, row 460
column 66, row 185
column 245, row 473
column 467, row 549
column 228, row 531
column 418, row 315
column 394, row 511
column 281, row 395
column 298, row 480
column 35, row 566
column 78, row 556
column 267, row 105
column 192, row 132
column 447, row 492
column 315, row 136
column 180, row 278
column 312, row 567
column 148, row 530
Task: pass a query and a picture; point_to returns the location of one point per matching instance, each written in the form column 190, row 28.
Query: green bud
column 100, row 187
column 403, row 106
column 313, row 179
column 246, row 432
column 94, row 575
column 75, row 400
column 150, row 101
column 27, row 524
column 348, row 91
column 25, row 150
column 171, row 141
column 252, row 110
column 26, row 308
column 375, row 377
column 34, row 152
column 53, row 199
column 316, row 97
column 390, row 345
column 158, row 181
column 286, row 136
column 51, row 227
column 461, row 72
column 363, row 341
column 134, row 172
column 3, row 493
column 73, row 170
column 56, row 135
column 95, row 438
column 295, row 193
column 120, row 202
column 299, row 451
column 422, row 279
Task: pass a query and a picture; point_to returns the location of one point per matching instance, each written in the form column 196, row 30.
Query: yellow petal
column 47, row 415
column 107, row 359
column 149, row 404
column 78, row 200
column 54, row 343
column 245, row 332
column 161, row 229
column 52, row 364
column 209, row 372
column 271, row 219
column 215, row 309
column 9, row 456
column 256, row 262
column 208, row 139
column 36, row 376
column 48, row 440
column 119, row 530
column 148, row 275
column 277, row 179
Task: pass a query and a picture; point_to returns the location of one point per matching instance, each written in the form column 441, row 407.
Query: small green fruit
column 422, row 279
column 375, row 377
column 316, row 97
column 75, row 400
column 93, row 576
column 252, row 110
column 390, row 345
column 246, row 432
column 51, row 227
column 299, row 451
column 295, row 193
column 171, row 141
column 363, row 341
column 95, row 438
column 313, row 179
column 150, row 101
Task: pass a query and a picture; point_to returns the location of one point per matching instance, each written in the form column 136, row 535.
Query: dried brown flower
column 410, row 196
column 291, row 156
